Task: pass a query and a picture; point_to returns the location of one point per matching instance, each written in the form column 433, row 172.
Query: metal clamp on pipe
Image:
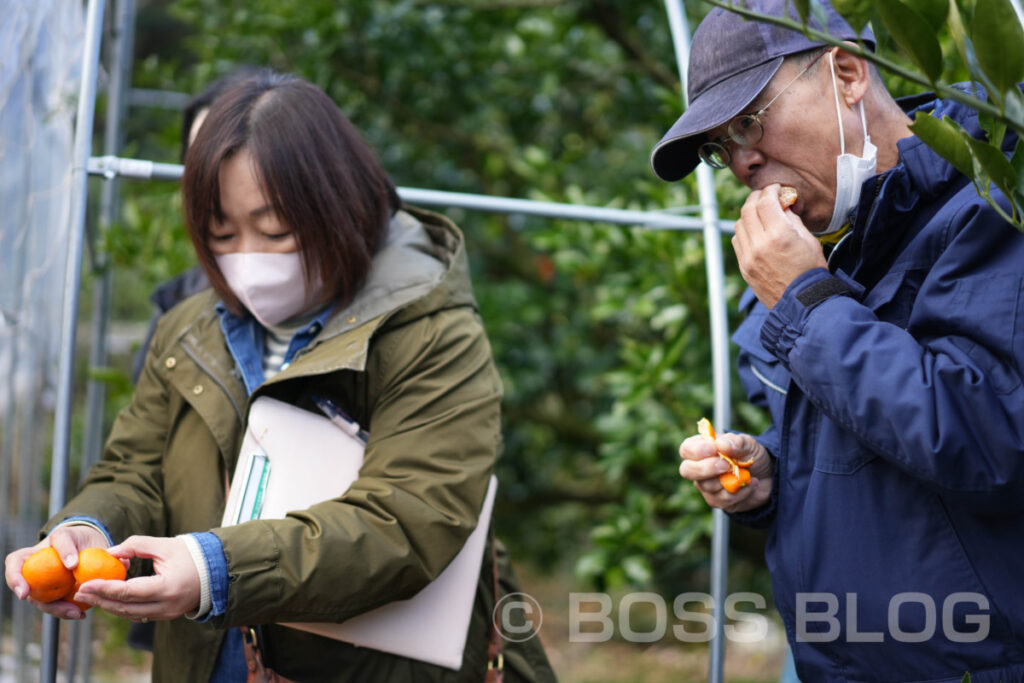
column 111, row 167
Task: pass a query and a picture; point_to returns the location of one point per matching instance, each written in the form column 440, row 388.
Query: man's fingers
column 695, row 448
column 735, row 446
column 700, row 470
column 768, row 204
column 700, row 459
column 733, row 502
column 749, row 213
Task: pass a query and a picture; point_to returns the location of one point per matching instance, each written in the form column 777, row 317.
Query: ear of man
column 853, row 76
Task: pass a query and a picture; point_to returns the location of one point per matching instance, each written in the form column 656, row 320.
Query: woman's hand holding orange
column 66, row 541
column 703, row 466
column 171, row 592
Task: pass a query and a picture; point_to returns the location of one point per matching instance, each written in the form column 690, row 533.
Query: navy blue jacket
column 897, row 515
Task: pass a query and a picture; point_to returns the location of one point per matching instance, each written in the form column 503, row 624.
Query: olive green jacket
column 409, row 360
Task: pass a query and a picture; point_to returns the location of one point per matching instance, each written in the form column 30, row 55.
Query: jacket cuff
column 208, row 556
column 785, row 321
column 83, row 520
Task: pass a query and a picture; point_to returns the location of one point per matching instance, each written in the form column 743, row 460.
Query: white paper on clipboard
column 310, row 460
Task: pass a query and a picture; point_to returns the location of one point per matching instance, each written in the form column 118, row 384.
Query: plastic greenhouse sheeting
column 40, row 53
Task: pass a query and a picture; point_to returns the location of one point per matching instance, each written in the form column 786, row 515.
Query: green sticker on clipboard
column 255, row 488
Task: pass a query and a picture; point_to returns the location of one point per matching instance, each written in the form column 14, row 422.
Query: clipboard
column 274, row 477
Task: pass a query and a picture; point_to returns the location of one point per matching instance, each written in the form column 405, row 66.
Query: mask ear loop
column 864, row 123
column 839, row 111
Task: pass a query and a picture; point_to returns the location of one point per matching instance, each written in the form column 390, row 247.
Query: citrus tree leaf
column 943, row 136
column 932, row 11
column 998, row 43
column 803, row 8
column 818, row 13
column 856, row 12
column 1014, row 105
column 994, row 163
column 957, row 30
column 1017, row 162
column 914, row 35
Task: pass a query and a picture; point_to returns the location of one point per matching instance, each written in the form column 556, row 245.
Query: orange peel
column 738, row 477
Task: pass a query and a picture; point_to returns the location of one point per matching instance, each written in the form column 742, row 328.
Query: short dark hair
column 320, row 178
column 209, row 94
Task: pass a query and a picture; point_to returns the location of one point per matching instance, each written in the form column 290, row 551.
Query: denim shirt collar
column 246, row 340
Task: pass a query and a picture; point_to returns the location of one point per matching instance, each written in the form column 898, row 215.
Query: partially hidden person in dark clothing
column 169, row 294
column 323, row 284
column 891, row 477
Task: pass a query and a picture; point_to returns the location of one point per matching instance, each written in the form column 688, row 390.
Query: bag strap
column 495, row 654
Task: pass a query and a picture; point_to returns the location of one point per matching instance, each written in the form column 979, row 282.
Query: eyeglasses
column 746, row 130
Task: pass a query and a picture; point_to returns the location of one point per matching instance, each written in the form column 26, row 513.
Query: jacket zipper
column 879, row 181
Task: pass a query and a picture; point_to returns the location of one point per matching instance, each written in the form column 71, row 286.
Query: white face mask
column 270, row 286
column 851, row 171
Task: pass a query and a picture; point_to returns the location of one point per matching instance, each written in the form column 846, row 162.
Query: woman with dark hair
column 323, row 283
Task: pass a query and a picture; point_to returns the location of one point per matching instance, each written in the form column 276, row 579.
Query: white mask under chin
column 851, row 170
column 270, row 286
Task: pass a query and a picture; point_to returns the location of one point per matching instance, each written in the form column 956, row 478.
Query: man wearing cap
column 892, row 477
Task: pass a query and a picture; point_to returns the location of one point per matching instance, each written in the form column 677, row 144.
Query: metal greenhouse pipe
column 111, row 166
column 719, row 347
column 122, row 40
column 72, row 276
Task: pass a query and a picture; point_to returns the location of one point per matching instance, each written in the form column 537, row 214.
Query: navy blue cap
column 732, row 60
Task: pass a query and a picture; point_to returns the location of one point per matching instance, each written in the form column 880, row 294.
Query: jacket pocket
column 983, row 314
column 837, row 450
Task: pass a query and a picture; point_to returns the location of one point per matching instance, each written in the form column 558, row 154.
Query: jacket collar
column 893, row 203
column 421, row 267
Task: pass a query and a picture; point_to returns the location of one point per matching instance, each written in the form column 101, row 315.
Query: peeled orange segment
column 734, row 481
column 787, row 196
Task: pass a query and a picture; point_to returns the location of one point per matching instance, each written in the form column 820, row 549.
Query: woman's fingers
column 170, row 593
column 12, row 570
column 135, row 599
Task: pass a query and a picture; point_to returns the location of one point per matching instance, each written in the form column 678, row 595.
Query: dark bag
column 258, row 672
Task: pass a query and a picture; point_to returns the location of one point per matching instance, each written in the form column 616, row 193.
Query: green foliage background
column 601, row 332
